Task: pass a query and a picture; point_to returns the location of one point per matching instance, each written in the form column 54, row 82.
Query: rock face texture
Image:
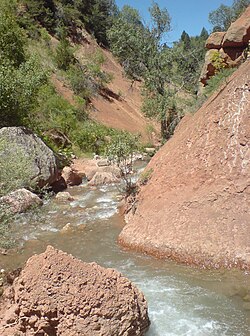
column 230, row 45
column 20, row 200
column 43, row 162
column 238, row 33
column 195, row 207
column 57, row 294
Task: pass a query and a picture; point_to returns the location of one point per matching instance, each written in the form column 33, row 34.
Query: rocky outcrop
column 57, row 294
column 229, row 45
column 195, row 206
column 238, row 33
column 19, row 201
column 214, row 41
column 43, row 164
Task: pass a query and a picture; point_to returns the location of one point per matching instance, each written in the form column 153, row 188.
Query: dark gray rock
column 43, row 163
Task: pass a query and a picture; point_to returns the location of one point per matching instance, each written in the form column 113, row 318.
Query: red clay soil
column 120, row 105
column 195, row 208
column 57, row 294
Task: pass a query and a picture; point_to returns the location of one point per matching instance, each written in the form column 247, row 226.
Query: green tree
column 64, row 54
column 222, row 17
column 18, row 91
column 11, row 36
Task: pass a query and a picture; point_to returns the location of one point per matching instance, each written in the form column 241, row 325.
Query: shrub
column 64, row 54
column 216, row 81
column 218, row 61
column 18, row 91
column 93, row 137
column 122, row 151
column 15, row 170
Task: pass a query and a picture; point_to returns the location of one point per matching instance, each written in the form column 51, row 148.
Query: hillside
column 119, row 105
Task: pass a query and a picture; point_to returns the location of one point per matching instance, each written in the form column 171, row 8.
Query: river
column 182, row 300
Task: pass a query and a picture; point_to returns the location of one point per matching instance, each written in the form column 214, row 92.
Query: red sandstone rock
column 71, row 177
column 101, row 178
column 214, row 41
column 57, row 294
column 238, row 33
column 195, row 207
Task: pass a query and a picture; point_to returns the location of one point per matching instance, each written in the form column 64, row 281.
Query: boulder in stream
column 57, row 294
column 20, row 200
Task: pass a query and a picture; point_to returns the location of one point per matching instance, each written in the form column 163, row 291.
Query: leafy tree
column 161, row 20
column 121, row 152
column 18, row 91
column 11, row 37
column 222, row 17
column 64, row 54
column 186, row 40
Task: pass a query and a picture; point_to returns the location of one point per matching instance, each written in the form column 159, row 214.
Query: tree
column 11, row 37
column 186, row 40
column 222, row 17
column 161, row 20
column 122, row 152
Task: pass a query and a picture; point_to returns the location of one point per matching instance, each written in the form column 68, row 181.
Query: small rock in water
column 67, row 228
column 64, row 196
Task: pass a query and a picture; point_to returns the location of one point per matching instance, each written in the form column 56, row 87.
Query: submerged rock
column 57, row 294
column 195, row 206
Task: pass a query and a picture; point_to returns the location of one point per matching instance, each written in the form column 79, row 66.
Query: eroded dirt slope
column 120, row 105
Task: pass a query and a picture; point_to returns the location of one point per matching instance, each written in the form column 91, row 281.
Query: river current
column 183, row 301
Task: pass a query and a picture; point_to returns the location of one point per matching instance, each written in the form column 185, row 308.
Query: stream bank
column 182, row 300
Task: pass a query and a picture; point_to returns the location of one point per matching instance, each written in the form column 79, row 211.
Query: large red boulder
column 238, row 33
column 195, row 207
column 214, row 41
column 57, row 294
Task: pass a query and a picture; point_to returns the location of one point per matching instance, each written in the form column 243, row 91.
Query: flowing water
column 182, row 300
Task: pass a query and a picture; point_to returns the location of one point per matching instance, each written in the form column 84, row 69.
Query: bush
column 64, row 54
column 93, row 137
column 15, row 171
column 218, row 61
column 121, row 151
column 216, row 81
column 54, row 112
column 18, row 91
column 5, row 229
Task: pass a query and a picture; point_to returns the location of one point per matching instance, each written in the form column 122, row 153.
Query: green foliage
column 93, row 137
column 161, row 20
column 216, row 81
column 54, row 112
column 87, row 78
column 145, row 176
column 222, row 17
column 121, row 152
column 18, row 91
column 218, row 61
column 11, row 37
column 64, row 54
